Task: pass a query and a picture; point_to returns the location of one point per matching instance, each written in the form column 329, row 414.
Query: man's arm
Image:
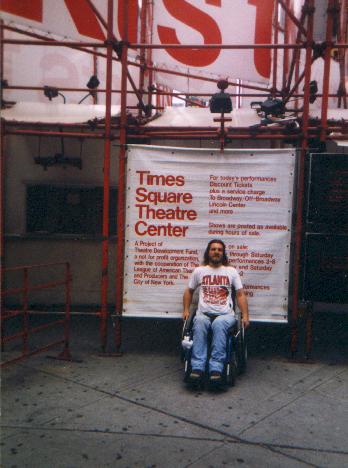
column 243, row 305
column 187, row 299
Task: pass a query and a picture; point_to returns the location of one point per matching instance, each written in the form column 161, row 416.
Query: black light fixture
column 313, row 91
column 51, row 92
column 271, row 106
column 220, row 102
column 92, row 84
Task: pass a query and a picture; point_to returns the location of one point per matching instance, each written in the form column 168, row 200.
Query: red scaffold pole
column 106, row 186
column 115, row 41
column 143, row 18
column 65, row 354
column 26, row 331
column 343, row 54
column 121, row 198
column 331, row 10
column 2, row 214
column 301, row 180
column 275, row 51
column 286, row 51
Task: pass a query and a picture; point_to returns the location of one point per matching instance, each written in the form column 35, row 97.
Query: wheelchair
column 236, row 354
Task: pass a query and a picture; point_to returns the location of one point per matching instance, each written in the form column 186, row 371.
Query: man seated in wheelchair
column 215, row 312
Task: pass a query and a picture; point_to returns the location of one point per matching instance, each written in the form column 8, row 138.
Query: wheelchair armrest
column 238, row 327
column 188, row 323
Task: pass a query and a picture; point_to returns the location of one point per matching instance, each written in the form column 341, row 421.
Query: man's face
column 216, row 253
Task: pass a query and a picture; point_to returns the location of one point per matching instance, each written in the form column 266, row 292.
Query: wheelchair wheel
column 187, row 367
column 231, row 370
column 242, row 353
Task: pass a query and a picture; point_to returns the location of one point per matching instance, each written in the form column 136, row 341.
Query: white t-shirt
column 215, row 288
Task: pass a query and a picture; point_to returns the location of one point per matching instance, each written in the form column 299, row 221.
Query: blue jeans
column 220, row 327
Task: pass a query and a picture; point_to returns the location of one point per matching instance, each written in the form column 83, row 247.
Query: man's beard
column 216, row 260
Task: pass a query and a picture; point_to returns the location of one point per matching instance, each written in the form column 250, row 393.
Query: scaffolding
column 26, row 331
column 135, row 130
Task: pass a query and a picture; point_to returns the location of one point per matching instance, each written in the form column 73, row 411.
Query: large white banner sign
column 174, row 22
column 179, row 198
column 215, row 22
column 74, row 19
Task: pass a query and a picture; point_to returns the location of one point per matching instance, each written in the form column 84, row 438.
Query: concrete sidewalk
column 134, row 411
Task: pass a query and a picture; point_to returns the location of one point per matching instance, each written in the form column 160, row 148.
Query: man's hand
column 185, row 314
column 243, row 305
column 187, row 299
column 245, row 322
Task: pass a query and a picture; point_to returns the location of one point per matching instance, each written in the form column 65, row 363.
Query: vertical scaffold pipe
column 25, row 347
column 286, row 41
column 2, row 205
column 143, row 52
column 275, row 51
column 121, row 194
column 66, row 351
column 2, row 219
column 309, row 5
column 2, row 180
column 106, row 184
column 343, row 54
column 149, row 12
column 332, row 10
column 1, row 58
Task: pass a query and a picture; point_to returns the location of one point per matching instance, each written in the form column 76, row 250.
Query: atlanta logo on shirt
column 216, row 289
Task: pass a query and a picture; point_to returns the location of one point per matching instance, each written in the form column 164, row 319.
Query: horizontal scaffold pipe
column 217, row 46
column 61, row 89
column 30, row 125
column 203, row 78
column 57, row 134
column 212, row 129
column 159, row 92
column 215, row 135
column 53, row 43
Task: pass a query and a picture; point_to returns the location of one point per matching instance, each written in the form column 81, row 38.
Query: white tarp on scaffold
column 215, row 22
column 56, row 113
column 180, row 198
column 74, row 19
column 174, row 22
column 200, row 117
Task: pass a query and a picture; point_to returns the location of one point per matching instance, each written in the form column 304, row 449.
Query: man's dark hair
column 206, row 253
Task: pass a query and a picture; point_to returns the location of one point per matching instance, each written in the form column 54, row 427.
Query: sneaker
column 196, row 374
column 215, row 377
